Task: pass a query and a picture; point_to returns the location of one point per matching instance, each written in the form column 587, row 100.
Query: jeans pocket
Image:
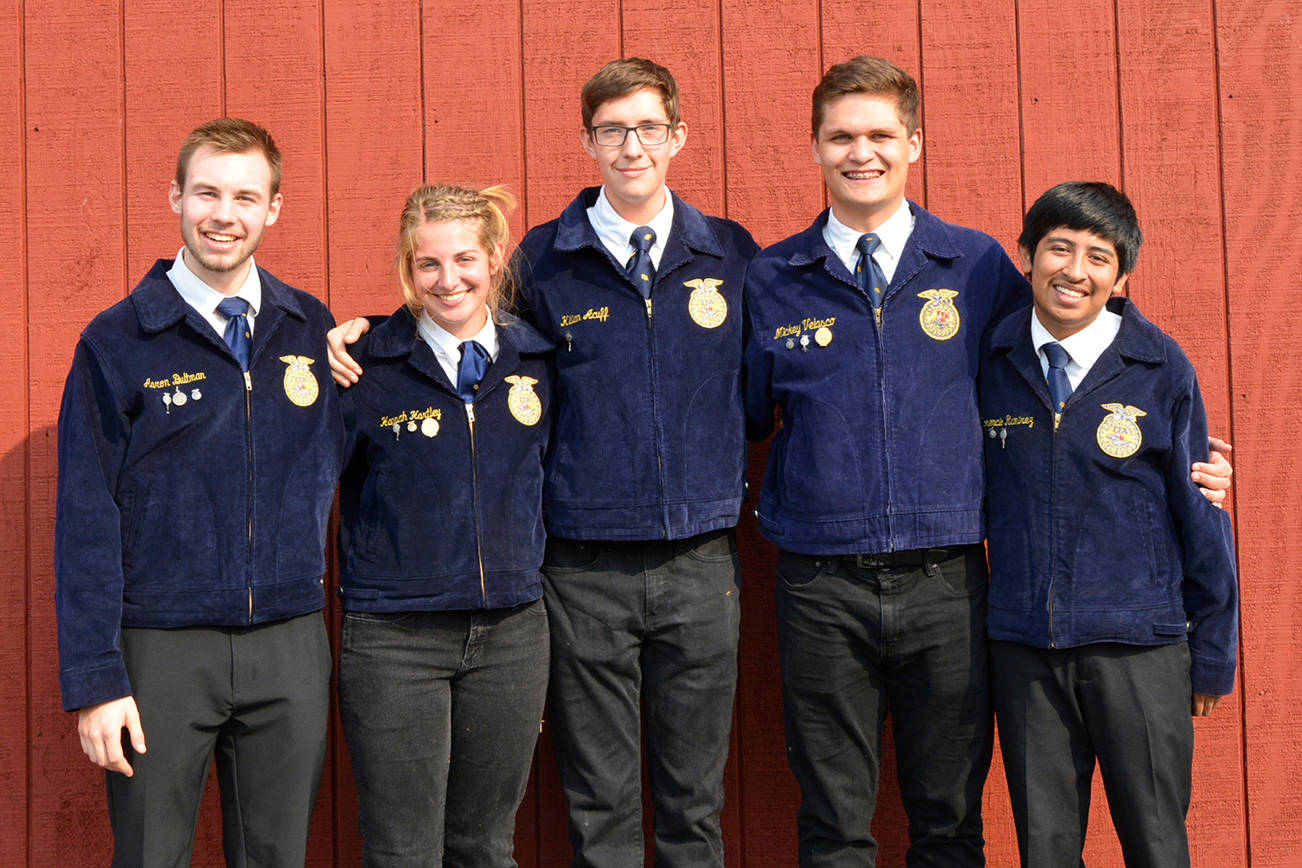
column 714, row 547
column 964, row 575
column 378, row 617
column 797, row 571
column 567, row 555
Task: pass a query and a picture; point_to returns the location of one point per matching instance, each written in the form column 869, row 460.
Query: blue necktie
column 872, row 280
column 640, row 269
column 1059, row 385
column 237, row 334
column 474, row 364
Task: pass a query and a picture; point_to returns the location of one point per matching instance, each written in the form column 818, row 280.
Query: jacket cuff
column 1212, row 677
column 85, row 687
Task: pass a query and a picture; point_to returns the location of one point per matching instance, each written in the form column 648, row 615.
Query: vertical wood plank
column 273, row 62
column 969, row 106
column 771, row 62
column 1170, row 166
column 557, row 166
column 556, row 169
column 75, row 268
column 684, row 37
column 373, row 130
column 161, row 109
column 473, row 92
column 891, row 32
column 1260, row 102
column 1068, row 98
column 14, row 455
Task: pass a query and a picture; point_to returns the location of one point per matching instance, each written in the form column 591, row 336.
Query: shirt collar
column 1086, row 345
column 203, row 297
column 893, row 234
column 614, row 231
column 447, row 346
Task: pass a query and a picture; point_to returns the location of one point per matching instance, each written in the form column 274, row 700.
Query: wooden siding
column 1194, row 109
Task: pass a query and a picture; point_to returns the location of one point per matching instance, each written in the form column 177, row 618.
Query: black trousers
column 900, row 633
column 1126, row 706
column 255, row 697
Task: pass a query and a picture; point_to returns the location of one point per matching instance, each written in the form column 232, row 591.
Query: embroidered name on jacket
column 426, row 421
column 1118, row 434
column 796, row 333
column 600, row 314
column 938, row 317
column 174, row 380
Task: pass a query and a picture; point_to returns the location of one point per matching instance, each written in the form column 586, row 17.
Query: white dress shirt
column 893, row 234
column 447, row 346
column 205, row 299
column 1084, row 347
column 615, row 232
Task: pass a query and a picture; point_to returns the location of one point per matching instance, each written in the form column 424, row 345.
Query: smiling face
column 452, row 275
column 634, row 173
column 865, row 151
column 1073, row 274
column 225, row 205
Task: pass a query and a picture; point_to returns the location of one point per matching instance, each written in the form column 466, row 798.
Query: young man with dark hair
column 198, row 456
column 866, row 330
column 641, row 293
column 1113, row 597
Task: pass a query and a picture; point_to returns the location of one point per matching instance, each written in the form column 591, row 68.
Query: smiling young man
column 197, row 464
column 866, row 330
column 642, row 294
column 1113, row 597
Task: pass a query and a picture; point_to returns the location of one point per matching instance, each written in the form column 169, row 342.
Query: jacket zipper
column 1053, row 525
column 881, row 394
column 474, row 489
column 248, row 442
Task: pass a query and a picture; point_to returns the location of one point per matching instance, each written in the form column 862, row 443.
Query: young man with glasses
column 641, row 294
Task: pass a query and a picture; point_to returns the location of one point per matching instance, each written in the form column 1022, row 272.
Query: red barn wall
column 1194, row 109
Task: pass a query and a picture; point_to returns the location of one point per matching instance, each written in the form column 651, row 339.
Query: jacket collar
column 1137, row 339
column 397, row 337
column 159, row 306
column 691, row 231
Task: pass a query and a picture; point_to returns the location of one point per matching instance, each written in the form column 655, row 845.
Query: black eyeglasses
column 613, row 135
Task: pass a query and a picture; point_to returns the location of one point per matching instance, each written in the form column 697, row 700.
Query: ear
column 677, row 138
column 1025, row 257
column 174, row 196
column 588, row 144
column 915, row 145
column 813, row 149
column 1119, row 288
column 273, row 210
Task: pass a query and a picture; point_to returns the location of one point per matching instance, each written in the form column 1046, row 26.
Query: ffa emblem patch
column 300, row 384
column 1119, row 434
column 939, row 317
column 823, row 336
column 707, row 305
column 522, row 401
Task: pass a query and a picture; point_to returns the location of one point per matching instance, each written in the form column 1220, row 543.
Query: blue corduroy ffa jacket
column 880, row 444
column 188, row 493
column 649, row 440
column 1096, row 532
column 441, row 502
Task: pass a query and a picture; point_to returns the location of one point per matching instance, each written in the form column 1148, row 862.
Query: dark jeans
column 257, row 698
column 643, row 624
column 441, row 712
column 858, row 637
column 1128, row 706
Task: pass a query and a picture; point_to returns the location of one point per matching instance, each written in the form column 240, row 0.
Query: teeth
column 859, row 176
column 220, row 238
column 1069, row 292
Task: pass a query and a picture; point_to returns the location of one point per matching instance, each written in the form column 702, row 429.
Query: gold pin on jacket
column 939, row 317
column 707, row 306
column 523, row 401
column 1119, row 434
column 300, row 384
